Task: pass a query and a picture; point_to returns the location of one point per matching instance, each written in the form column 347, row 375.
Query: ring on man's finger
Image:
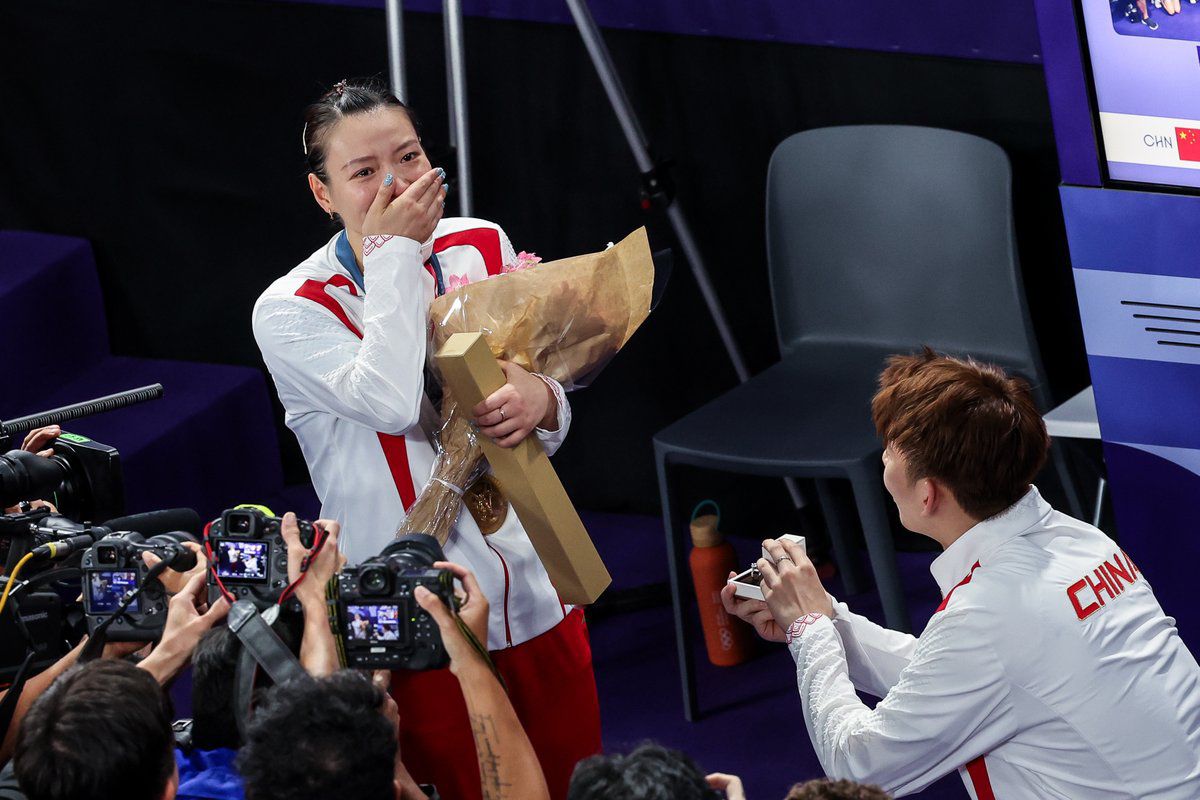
column 784, row 558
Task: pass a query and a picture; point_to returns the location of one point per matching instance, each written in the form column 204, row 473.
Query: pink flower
column 456, row 282
column 524, row 261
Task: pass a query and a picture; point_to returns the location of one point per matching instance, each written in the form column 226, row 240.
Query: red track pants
column 552, row 688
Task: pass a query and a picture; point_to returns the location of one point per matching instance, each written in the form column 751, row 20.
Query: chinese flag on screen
column 1189, row 143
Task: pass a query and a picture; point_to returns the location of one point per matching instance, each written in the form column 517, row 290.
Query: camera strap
column 261, row 647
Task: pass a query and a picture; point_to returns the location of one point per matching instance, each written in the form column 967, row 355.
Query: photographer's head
column 214, row 671
column 651, row 772
column 320, row 739
column 102, row 731
column 963, row 440
column 825, row 789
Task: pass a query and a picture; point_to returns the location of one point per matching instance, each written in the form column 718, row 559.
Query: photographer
column 1049, row 670
column 102, row 731
column 343, row 731
column 650, row 772
column 206, row 768
column 185, row 619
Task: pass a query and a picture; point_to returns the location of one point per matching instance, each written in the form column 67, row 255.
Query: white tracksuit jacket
column 1052, row 672
column 348, row 364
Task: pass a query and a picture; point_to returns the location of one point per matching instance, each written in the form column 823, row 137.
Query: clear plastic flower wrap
column 564, row 319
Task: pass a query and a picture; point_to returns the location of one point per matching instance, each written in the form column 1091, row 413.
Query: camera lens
column 374, row 580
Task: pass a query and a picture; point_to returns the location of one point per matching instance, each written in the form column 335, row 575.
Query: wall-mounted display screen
column 1145, row 58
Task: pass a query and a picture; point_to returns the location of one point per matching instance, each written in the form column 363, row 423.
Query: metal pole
column 456, row 77
column 638, row 144
column 395, row 36
column 602, row 61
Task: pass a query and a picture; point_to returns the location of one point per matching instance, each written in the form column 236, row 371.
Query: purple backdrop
column 994, row 31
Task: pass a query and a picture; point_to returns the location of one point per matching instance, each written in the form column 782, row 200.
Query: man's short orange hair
column 969, row 425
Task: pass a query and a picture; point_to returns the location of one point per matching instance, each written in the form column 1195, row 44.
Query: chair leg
column 839, row 537
column 1099, row 510
column 1074, row 504
column 677, row 566
column 869, row 496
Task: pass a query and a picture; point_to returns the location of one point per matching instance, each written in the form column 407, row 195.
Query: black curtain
column 169, row 136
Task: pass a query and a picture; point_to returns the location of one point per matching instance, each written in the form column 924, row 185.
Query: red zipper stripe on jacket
column 977, row 769
column 978, row 773
column 395, row 449
column 503, row 563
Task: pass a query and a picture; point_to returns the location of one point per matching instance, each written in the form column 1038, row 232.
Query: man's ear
column 320, row 192
column 933, row 497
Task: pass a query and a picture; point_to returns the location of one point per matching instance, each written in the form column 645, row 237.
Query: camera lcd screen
column 246, row 561
column 106, row 588
column 373, row 623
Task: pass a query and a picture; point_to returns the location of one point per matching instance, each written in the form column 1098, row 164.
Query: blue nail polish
column 387, row 179
column 442, row 173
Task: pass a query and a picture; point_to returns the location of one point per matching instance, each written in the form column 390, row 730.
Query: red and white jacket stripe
column 1051, row 671
column 349, row 368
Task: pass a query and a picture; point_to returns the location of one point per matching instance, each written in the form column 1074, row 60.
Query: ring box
column 746, row 584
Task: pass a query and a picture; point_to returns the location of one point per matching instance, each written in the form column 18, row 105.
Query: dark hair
column 825, row 789
column 313, row 739
column 101, row 731
column 345, row 99
column 214, row 668
column 651, row 772
column 967, row 424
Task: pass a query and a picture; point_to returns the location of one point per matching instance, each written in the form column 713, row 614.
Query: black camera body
column 380, row 622
column 113, row 567
column 83, row 478
column 248, row 556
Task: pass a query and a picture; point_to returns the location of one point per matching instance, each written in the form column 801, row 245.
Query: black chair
column 880, row 238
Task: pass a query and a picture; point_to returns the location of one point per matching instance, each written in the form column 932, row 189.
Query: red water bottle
column 712, row 558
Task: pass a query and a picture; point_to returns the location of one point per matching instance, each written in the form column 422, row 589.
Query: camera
column 113, row 567
column 249, row 557
column 381, row 624
column 83, row 478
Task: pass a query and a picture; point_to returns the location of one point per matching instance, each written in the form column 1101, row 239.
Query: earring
column 331, row 214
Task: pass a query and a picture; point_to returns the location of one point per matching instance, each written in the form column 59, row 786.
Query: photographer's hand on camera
column 413, row 213
column 473, row 605
column 188, row 617
column 35, row 442
column 318, row 649
column 173, row 581
column 474, row 612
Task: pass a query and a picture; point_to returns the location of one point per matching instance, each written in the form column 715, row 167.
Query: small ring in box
column 747, row 584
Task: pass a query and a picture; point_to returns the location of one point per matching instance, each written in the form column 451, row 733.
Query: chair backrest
column 897, row 235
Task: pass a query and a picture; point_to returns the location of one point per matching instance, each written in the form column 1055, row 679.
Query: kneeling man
column 1048, row 671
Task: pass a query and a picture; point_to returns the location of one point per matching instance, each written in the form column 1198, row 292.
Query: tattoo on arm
column 483, row 728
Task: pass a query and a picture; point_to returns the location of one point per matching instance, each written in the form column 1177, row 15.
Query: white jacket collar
column 980, row 540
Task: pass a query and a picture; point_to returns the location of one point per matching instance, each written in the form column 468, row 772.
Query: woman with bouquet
column 344, row 335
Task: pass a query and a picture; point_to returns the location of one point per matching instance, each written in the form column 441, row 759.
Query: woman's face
column 360, row 150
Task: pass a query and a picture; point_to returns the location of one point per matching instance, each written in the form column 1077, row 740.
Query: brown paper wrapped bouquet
column 565, row 319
